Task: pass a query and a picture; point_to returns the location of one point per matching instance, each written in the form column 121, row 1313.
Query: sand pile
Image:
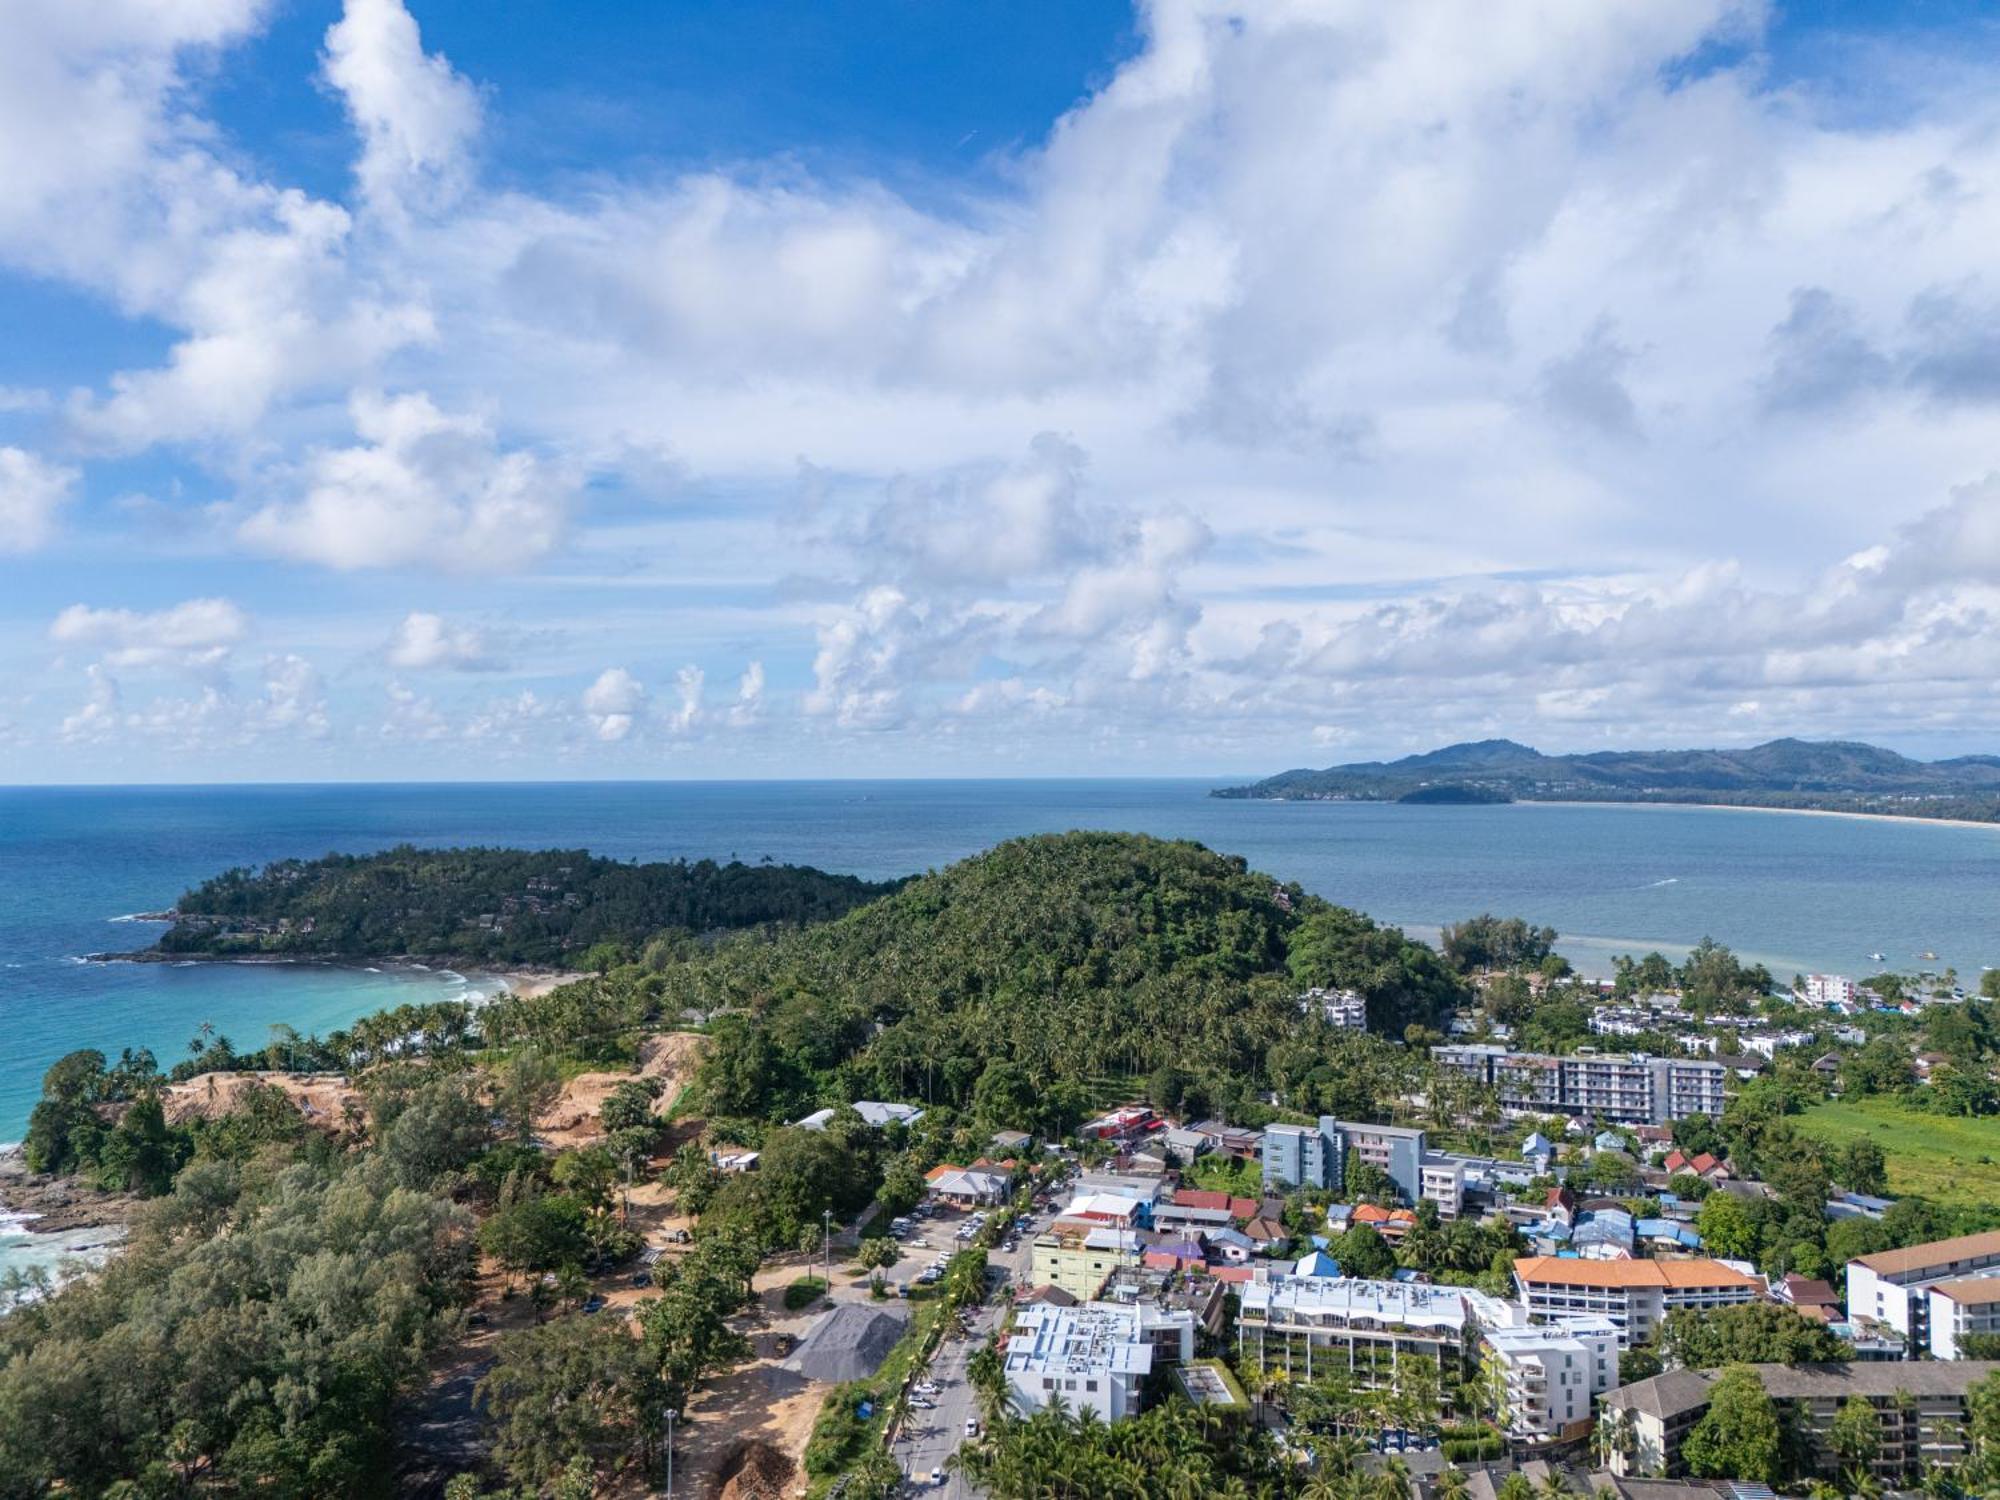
column 756, row 1471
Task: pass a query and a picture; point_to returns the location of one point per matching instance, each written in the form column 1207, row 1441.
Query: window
column 1090, row 1385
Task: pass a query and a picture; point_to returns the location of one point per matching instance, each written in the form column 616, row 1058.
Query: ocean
column 1797, row 893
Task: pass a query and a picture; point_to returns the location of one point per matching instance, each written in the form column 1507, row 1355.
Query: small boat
column 1878, row 957
column 1927, row 956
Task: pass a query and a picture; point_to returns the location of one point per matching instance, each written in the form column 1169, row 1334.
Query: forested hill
column 492, row 905
column 1839, row 776
column 1044, row 963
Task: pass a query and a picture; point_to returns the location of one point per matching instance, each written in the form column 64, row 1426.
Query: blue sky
column 948, row 388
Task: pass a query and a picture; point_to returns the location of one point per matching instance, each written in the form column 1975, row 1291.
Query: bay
column 1798, row 893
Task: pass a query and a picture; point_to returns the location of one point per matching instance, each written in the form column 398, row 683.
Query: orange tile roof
column 1936, row 1253
column 1972, row 1291
column 1683, row 1274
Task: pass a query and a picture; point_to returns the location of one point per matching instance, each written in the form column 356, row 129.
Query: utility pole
column 827, row 1242
column 671, row 1414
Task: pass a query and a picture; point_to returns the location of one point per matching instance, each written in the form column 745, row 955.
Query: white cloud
column 294, row 698
column 424, row 641
column 32, row 492
column 416, row 117
column 612, row 703
column 1432, row 364
column 195, row 633
column 423, row 489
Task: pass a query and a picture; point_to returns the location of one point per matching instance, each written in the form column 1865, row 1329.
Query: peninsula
column 489, row 906
column 1827, row 776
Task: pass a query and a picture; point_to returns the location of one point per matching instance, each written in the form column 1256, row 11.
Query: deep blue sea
column 1799, row 893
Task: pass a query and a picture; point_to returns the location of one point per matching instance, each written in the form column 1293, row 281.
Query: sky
column 424, row 389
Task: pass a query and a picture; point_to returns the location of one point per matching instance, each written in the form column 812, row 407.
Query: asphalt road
column 931, row 1437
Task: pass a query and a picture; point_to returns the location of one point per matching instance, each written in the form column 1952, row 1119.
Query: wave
column 1654, row 885
column 451, row 976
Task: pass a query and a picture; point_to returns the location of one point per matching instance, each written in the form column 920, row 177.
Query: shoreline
column 528, row 981
column 1753, row 807
column 1647, row 802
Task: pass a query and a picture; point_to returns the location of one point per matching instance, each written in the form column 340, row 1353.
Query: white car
column 972, row 1427
column 937, row 1476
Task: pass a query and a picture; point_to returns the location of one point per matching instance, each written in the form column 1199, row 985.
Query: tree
column 576, row 1388
column 525, row 1086
column 877, row 1253
column 1738, row 1437
column 1861, row 1167
column 629, row 1106
column 1726, row 1229
column 1750, row 1334
column 1361, row 1251
column 1856, row 1438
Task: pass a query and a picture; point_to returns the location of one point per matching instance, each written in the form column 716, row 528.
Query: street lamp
column 671, row 1414
column 826, row 1216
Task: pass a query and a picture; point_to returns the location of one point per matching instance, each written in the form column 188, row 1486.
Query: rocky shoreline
column 59, row 1205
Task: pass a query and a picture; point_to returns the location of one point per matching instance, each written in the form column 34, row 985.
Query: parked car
column 593, row 1304
column 937, row 1476
column 972, row 1427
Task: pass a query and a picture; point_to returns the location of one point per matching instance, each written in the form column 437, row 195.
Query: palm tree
column 1452, row 1483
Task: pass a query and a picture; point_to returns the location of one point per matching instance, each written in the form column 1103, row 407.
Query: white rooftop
column 1406, row 1304
column 872, row 1111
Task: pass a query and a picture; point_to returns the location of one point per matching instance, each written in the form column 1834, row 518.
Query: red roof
column 1232, row 1273
column 1239, row 1208
column 1676, row 1160
column 1704, row 1163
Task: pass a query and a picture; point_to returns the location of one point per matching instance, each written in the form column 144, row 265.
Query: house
column 1125, row 1124
column 1704, row 1165
column 1813, row 1298
column 873, row 1112
column 1266, row 1234
column 1604, row 1234
column 1107, row 1208
column 1608, row 1140
column 1927, row 1065
column 1827, row 1066
column 1186, row 1145
column 1538, row 1150
column 1175, row 1255
column 1635, row 1294
column 1231, row 1247
column 1012, row 1142
column 1666, row 1234
column 966, row 1187
column 733, row 1162
column 1237, row 1209
column 1229, row 1140
column 1391, row 1223
column 1561, row 1206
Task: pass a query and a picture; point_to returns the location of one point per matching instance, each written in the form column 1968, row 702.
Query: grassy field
column 1949, row 1159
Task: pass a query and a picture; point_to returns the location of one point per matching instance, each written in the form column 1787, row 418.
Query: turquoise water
column 1799, row 893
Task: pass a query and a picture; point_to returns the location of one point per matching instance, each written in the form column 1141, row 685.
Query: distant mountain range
column 1834, row 776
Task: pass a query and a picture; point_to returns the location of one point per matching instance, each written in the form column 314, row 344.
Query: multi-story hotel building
column 1625, row 1088
column 1636, row 1295
column 1930, row 1294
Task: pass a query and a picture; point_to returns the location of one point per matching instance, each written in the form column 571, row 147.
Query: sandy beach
column 1796, row 812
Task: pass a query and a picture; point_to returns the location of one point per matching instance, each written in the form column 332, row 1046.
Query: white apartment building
column 1308, row 1324
column 1624, row 1088
column 1346, row 1009
column 1551, row 1376
column 1958, row 1308
column 1894, row 1286
column 1830, row 990
column 1636, row 1295
column 1443, row 1181
column 1095, row 1357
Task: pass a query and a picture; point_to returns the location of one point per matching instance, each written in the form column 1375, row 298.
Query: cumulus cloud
column 32, row 492
column 425, row 642
column 422, row 488
column 613, row 702
column 416, row 117
column 195, row 633
column 1433, row 365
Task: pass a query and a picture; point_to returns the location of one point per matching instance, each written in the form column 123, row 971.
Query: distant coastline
column 1990, row 825
column 1839, row 777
